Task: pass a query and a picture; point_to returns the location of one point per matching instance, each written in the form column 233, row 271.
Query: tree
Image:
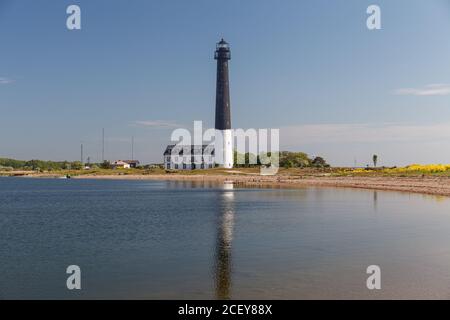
column 294, row 159
column 245, row 159
column 15, row 164
column 288, row 164
column 319, row 162
column 269, row 159
column 77, row 165
column 375, row 159
column 238, row 159
column 105, row 165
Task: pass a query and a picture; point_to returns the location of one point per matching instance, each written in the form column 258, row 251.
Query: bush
column 105, row 165
column 319, row 162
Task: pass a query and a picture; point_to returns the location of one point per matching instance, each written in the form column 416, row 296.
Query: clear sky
column 142, row 68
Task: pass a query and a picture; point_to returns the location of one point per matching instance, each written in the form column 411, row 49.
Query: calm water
column 163, row 240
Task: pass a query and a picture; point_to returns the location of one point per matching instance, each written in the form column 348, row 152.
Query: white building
column 188, row 157
column 120, row 164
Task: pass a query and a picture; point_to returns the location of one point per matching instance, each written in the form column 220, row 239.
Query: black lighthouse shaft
column 223, row 114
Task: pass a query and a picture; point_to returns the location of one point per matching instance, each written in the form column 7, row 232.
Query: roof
column 131, row 161
column 189, row 150
column 119, row 162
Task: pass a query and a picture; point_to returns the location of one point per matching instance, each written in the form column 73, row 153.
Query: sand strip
column 425, row 185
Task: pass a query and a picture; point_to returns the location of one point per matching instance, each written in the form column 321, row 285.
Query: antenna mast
column 132, row 147
column 103, row 145
column 82, row 160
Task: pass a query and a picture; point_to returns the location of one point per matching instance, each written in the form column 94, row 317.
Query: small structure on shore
column 179, row 157
column 132, row 163
column 120, row 164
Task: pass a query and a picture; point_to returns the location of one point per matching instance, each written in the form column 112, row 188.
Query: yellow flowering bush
column 412, row 169
column 420, row 168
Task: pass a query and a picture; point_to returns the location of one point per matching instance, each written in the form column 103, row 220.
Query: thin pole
column 132, row 147
column 81, row 153
column 103, row 145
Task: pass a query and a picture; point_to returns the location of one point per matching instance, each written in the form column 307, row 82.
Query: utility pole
column 82, row 160
column 103, row 145
column 132, row 148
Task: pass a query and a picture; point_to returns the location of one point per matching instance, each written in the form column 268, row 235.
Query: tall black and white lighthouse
column 224, row 136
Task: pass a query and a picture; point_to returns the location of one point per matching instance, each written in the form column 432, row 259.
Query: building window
column 176, row 166
column 184, row 165
column 168, row 166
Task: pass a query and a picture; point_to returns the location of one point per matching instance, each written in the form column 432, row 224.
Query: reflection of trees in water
column 375, row 200
column 223, row 245
column 190, row 184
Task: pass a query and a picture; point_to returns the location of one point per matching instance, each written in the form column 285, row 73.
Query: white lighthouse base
column 223, row 153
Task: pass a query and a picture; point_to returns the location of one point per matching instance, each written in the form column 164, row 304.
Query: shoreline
column 439, row 186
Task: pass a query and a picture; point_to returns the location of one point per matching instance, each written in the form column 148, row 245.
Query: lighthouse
column 224, row 136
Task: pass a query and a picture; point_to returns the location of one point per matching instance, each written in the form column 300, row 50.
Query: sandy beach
column 424, row 185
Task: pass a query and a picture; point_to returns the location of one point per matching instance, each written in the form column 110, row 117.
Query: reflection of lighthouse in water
column 224, row 242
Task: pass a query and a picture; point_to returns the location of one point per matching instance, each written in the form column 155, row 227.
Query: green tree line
column 39, row 165
column 286, row 159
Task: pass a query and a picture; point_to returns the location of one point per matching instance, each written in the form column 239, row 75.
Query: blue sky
column 142, row 68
